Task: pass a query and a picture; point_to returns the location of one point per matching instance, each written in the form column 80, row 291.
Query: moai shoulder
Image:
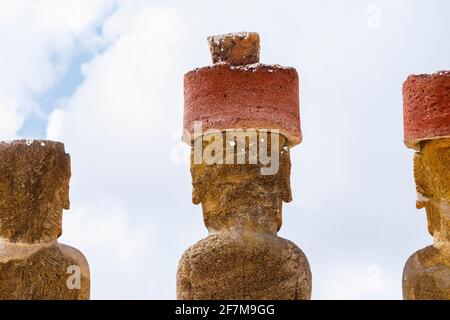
column 34, row 191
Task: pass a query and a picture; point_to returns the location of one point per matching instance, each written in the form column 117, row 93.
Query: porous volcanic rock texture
column 34, row 190
column 43, row 274
column 242, row 257
column 235, row 48
column 426, row 112
column 426, row 275
column 246, row 266
column 426, row 107
column 427, row 272
column 256, row 96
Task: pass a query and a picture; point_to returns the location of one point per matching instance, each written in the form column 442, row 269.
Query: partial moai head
column 239, row 94
column 432, row 175
column 427, row 130
column 34, row 190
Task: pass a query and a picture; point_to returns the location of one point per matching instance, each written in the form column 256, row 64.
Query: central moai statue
column 242, row 257
column 426, row 100
column 34, row 190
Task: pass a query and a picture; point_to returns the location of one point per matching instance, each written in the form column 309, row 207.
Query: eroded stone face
column 34, row 190
column 227, row 192
column 432, row 175
column 427, row 272
column 243, row 258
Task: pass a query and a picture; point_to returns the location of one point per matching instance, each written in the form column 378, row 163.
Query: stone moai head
column 427, row 130
column 237, row 94
column 34, row 190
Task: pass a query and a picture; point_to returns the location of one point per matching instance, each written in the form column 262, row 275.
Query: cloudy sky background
column 105, row 77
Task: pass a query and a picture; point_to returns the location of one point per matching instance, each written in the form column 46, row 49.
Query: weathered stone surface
column 244, row 266
column 427, row 272
column 427, row 275
column 34, row 190
column 253, row 96
column 235, row 48
column 426, row 107
column 42, row 272
column 432, row 170
column 240, row 185
column 242, row 258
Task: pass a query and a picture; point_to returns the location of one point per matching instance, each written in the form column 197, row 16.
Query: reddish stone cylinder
column 254, row 96
column 426, row 108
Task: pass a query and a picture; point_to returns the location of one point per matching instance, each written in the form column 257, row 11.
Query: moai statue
column 34, row 190
column 237, row 112
column 427, row 130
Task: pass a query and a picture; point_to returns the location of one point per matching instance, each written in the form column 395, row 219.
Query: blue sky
column 114, row 96
column 36, row 124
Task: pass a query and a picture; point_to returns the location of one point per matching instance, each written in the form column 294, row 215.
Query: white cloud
column 55, row 125
column 38, row 38
column 104, row 227
column 116, row 248
column 117, row 129
column 124, row 91
column 10, row 118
